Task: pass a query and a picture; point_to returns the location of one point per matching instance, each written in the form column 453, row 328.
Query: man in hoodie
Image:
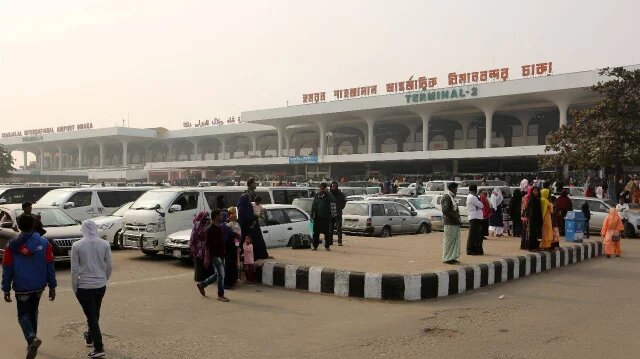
column 90, row 271
column 341, row 202
column 27, row 267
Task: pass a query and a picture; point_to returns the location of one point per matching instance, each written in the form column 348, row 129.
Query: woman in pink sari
column 611, row 233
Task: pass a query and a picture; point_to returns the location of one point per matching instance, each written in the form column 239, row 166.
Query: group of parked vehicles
column 158, row 220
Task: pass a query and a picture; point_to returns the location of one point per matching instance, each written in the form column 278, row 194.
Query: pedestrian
column 515, row 208
column 27, row 267
column 623, row 212
column 258, row 209
column 487, row 211
column 248, row 221
column 587, row 215
column 474, row 207
column 248, row 264
column 496, row 221
column 452, row 222
column 91, row 268
column 611, row 229
column 556, row 218
column 341, row 202
column 232, row 252
column 27, row 210
column 564, row 205
column 636, row 193
column 559, row 186
column 547, row 220
column 419, row 186
column 533, row 213
column 321, row 215
column 198, row 246
column 215, row 256
column 629, row 189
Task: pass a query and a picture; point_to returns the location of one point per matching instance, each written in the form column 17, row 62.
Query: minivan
column 21, row 194
column 85, row 203
column 381, row 218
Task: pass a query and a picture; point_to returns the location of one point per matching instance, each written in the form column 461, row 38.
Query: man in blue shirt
column 28, row 267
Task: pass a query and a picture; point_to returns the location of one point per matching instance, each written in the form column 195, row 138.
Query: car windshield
column 611, row 203
column 304, row 203
column 52, row 217
column 120, row 211
column 373, row 190
column 152, row 198
column 55, row 198
column 421, row 203
column 356, row 209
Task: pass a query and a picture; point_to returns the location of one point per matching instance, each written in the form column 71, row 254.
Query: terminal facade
column 474, row 128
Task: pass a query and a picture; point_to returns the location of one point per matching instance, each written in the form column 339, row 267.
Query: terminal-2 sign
column 440, row 95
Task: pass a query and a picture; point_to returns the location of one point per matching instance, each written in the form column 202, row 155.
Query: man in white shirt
column 474, row 207
column 623, row 211
column 90, row 271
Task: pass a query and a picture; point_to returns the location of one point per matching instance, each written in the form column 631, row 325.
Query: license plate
column 177, row 253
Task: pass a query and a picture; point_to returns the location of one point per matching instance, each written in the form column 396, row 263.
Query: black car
column 62, row 230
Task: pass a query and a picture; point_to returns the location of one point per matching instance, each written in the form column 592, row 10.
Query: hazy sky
column 164, row 62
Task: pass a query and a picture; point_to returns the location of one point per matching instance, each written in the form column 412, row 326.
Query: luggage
column 301, row 241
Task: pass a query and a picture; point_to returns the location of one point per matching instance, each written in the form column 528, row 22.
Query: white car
column 110, row 227
column 278, row 227
column 422, row 207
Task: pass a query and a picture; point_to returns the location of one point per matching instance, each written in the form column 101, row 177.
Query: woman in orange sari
column 611, row 232
column 547, row 224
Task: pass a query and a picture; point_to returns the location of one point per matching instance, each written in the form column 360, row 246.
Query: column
column 195, row 144
column 488, row 118
column 41, row 159
column 322, row 133
column 101, row 147
column 465, row 133
column 125, row 153
column 169, row 155
column 425, row 130
column 371, row 122
column 80, row 156
column 412, row 136
column 60, row 158
column 455, row 167
column 254, row 145
column 563, row 107
column 24, row 157
column 223, row 148
column 287, row 143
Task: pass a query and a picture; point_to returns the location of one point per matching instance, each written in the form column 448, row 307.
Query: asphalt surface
column 153, row 310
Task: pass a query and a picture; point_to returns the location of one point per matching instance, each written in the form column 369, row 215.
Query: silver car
column 599, row 209
column 423, row 207
column 381, row 218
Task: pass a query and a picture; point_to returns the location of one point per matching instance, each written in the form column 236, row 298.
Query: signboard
column 215, row 122
column 41, row 131
column 424, row 83
column 303, row 159
column 439, row 95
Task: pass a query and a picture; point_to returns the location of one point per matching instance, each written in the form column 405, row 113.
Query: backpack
column 300, row 241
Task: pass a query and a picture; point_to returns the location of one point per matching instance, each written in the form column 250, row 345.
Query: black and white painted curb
column 410, row 287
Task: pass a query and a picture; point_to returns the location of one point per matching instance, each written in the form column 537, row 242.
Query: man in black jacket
column 340, row 203
column 452, row 222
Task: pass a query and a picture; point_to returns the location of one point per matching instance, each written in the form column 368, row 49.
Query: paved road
column 153, row 310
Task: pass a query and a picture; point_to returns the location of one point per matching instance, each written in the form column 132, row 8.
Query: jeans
column 28, row 314
column 337, row 226
column 218, row 266
column 91, row 301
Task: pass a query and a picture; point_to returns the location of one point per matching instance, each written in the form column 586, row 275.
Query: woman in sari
column 523, row 219
column 533, row 213
column 564, row 205
column 611, row 232
column 198, row 247
column 547, row 221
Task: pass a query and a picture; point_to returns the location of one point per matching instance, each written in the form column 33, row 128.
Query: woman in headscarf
column 496, row 220
column 231, row 251
column 547, row 220
column 249, row 222
column 533, row 213
column 199, row 248
column 515, row 207
column 564, row 205
column 523, row 217
column 611, row 232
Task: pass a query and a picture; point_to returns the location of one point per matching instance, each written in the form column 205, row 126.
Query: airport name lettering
column 42, row 131
column 436, row 95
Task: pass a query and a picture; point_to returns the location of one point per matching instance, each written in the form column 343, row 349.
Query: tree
column 6, row 162
column 606, row 135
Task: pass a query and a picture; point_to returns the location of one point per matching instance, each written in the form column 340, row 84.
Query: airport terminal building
column 470, row 126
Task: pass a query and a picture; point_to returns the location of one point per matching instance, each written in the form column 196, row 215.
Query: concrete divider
column 411, row 287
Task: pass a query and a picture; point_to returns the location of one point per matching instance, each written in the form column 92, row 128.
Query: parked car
column 381, row 218
column 279, row 225
column 464, row 213
column 506, row 191
column 422, row 206
column 21, row 194
column 356, row 198
column 599, row 209
column 110, row 227
column 62, row 230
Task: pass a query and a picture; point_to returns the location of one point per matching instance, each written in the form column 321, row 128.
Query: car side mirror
column 6, row 225
column 175, row 208
column 414, row 213
column 69, row 205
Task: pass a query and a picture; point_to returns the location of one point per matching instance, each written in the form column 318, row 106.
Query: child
column 248, row 263
column 258, row 210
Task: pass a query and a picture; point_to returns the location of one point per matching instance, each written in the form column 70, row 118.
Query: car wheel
column 628, row 231
column 149, row 253
column 424, row 229
column 386, row 232
column 117, row 241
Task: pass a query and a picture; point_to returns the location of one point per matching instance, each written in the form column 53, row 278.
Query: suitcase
column 301, row 241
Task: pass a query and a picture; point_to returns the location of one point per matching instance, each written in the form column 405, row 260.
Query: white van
column 161, row 212
column 85, row 203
